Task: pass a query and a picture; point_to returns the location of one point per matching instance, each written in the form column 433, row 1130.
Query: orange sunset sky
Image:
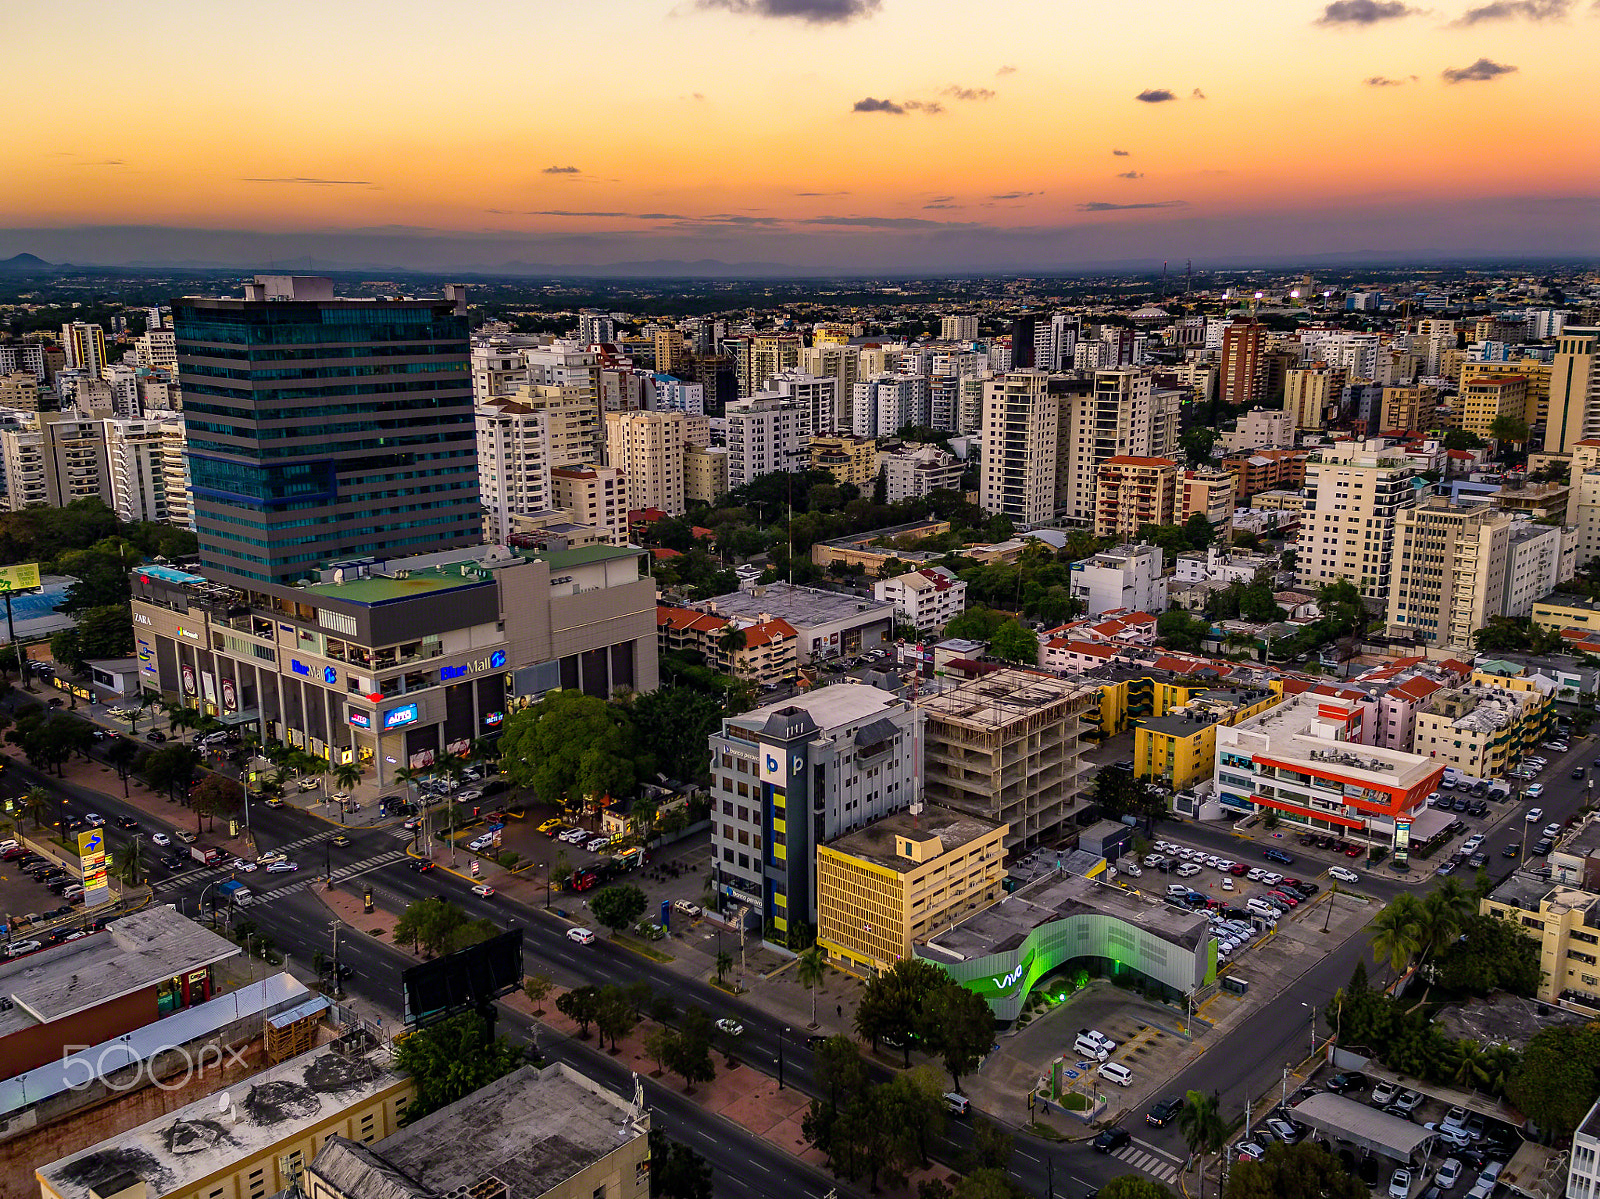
column 816, row 134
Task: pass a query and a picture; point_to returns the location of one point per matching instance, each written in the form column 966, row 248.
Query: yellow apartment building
column 902, row 879
column 1179, row 748
column 847, row 459
column 1565, row 921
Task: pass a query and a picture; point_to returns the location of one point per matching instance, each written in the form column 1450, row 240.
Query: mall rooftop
column 1006, row 924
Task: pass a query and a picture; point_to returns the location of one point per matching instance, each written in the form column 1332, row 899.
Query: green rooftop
column 383, row 589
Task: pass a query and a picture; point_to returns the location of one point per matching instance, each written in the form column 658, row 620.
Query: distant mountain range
column 25, row 262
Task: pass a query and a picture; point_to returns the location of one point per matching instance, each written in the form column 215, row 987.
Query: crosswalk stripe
column 1148, row 1163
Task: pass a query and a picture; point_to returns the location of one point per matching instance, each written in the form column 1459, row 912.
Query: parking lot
column 1473, row 1141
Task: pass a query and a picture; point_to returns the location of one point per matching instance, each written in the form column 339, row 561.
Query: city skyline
column 820, row 135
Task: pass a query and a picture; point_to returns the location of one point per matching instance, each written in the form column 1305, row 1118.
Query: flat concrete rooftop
column 803, row 607
column 876, row 842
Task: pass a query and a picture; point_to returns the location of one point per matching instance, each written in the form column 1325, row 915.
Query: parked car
column 730, row 1026
column 1285, row 1131
column 1383, row 1094
column 1400, row 1184
column 17, row 948
column 1449, row 1173
column 1343, row 874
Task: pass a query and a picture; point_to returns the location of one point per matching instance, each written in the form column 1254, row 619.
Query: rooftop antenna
column 1188, row 277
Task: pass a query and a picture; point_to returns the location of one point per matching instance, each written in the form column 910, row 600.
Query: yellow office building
column 1180, row 748
column 902, row 879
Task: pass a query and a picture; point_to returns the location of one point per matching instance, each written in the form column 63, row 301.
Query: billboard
column 395, row 717
column 1402, row 841
column 92, row 861
column 467, row 980
column 24, row 577
column 362, row 720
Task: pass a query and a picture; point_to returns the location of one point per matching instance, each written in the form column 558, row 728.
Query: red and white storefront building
column 1305, row 761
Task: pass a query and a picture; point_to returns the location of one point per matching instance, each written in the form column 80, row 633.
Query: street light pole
column 782, row 1032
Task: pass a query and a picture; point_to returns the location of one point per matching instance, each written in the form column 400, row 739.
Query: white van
column 958, row 1104
column 1090, row 1047
column 1117, row 1073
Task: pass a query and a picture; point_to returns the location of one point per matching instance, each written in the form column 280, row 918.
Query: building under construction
column 1005, row 746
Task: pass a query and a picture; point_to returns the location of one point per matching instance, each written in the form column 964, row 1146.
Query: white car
column 470, row 795
column 1255, row 874
column 95, row 819
column 582, row 936
column 1249, row 1151
column 1534, row 814
column 1400, row 1184
column 1449, row 1173
column 1152, row 859
column 271, row 856
column 1271, row 879
column 1343, row 875
column 481, row 842
column 1224, row 865
column 282, row 867
column 241, row 865
column 730, row 1026
column 1552, row 830
column 482, row 890
column 160, row 839
column 308, row 784
column 1188, row 870
column 1472, row 842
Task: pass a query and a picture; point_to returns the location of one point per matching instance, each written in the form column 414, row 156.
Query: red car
column 1355, row 851
column 1239, row 869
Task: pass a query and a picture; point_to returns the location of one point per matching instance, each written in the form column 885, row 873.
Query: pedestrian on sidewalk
column 839, row 1008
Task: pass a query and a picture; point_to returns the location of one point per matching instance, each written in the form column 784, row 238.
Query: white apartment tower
column 513, row 463
column 767, row 432
column 1353, row 492
column 1017, row 470
column 820, row 393
column 647, row 447
column 1121, row 414
column 958, row 328
column 886, row 403
column 1574, row 390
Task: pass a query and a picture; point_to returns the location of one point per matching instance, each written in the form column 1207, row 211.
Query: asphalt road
column 1248, row 1062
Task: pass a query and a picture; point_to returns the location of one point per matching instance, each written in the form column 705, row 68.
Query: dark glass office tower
column 322, row 429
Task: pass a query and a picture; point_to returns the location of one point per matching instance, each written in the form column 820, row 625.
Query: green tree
column 677, row 1171
column 1509, row 428
column 581, row 1005
column 346, row 775
column 1490, row 955
column 440, row 927
column 1197, row 444
column 977, row 623
column 1198, row 531
column 991, row 1184
column 992, row 1146
column 570, row 746
column 1556, row 1079
column 810, row 969
column 1015, row 642
column 106, row 632
column 66, row 647
column 1178, row 630
column 1396, row 933
column 723, row 964
column 131, row 862
column 892, row 1002
column 1303, row 1171
column 614, row 1015
column 618, row 906
column 960, row 1025
column 838, row 1069
column 1134, row 1186
column 451, row 1059
column 689, row 1055
column 672, row 725
column 537, row 988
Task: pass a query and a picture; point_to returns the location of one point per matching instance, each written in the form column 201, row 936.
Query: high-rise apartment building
column 820, row 392
column 958, row 328
column 513, row 464
column 648, row 448
column 1405, row 408
column 1244, row 368
column 1017, row 467
column 572, row 430
column 1353, row 492
column 919, row 471
column 59, row 461
column 322, row 429
column 595, row 496
column 1574, row 412
column 1207, row 492
column 1536, row 373
column 840, row 362
column 123, row 381
column 26, row 356
column 1484, row 399
column 595, row 327
column 157, row 350
column 673, row 394
column 498, row 368
column 669, row 350
column 85, row 346
column 139, row 459
column 1309, row 395
column 1121, row 412
column 1134, row 492
column 772, row 354
column 705, row 474
column 886, row 403
column 767, row 433
column 1450, row 567
column 19, row 390
column 848, row 459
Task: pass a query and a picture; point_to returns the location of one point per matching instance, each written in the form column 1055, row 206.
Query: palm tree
column 810, row 970
column 1203, row 1129
column 410, row 777
column 346, row 775
column 130, row 863
column 180, row 716
column 1396, row 933
column 733, row 640
column 724, row 964
column 36, row 803
column 121, row 754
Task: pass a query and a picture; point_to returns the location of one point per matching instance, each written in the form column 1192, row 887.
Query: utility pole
column 338, row 983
